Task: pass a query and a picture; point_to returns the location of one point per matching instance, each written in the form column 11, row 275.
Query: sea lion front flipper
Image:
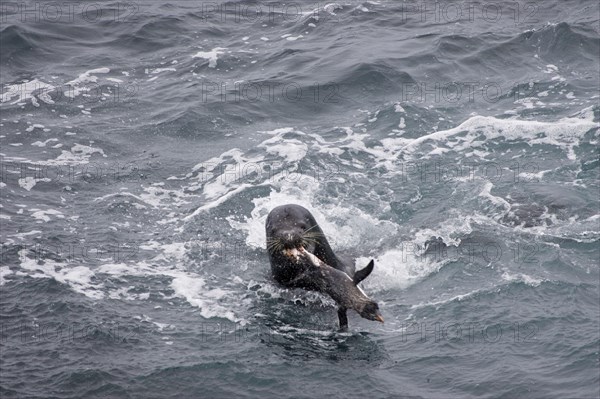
column 343, row 319
column 363, row 273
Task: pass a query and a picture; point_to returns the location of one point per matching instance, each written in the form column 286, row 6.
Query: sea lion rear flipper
column 343, row 319
column 363, row 273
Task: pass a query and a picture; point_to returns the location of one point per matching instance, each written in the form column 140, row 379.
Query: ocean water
column 143, row 144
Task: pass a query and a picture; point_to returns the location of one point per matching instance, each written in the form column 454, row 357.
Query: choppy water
column 144, row 143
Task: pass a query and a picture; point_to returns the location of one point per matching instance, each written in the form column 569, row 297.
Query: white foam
column 34, row 126
column 534, row 176
column 159, row 70
column 220, row 200
column 127, row 294
column 22, row 236
column 437, row 304
column 486, row 193
column 82, row 79
column 565, row 132
column 43, row 215
column 215, row 185
column 78, row 155
column 194, row 290
column 25, row 91
column 523, row 278
column 292, row 150
column 29, row 182
column 218, row 188
column 450, row 230
column 42, row 143
column 331, row 7
column 361, row 7
column 77, row 278
column 169, row 253
column 159, row 196
column 398, row 268
column 4, row 271
column 122, row 194
column 212, row 55
column 279, row 131
column 162, row 326
column 118, row 269
column 398, row 108
column 212, row 301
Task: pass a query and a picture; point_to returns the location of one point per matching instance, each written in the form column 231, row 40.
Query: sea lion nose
column 290, row 239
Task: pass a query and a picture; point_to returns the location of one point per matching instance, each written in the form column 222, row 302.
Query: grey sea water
column 144, row 143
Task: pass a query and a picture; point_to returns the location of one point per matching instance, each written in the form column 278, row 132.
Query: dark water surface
column 144, row 143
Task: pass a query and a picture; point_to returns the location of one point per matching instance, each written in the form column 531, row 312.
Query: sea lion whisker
column 309, row 241
column 314, row 234
column 275, row 245
column 310, row 228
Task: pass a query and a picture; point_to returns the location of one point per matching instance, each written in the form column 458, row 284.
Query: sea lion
column 301, row 257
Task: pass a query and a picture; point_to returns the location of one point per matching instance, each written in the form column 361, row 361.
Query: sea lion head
column 290, row 228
